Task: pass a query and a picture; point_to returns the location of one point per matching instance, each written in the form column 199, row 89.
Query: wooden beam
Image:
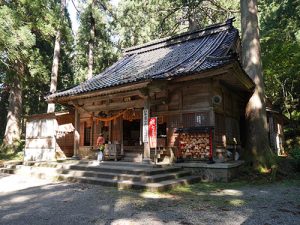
column 174, row 112
column 101, row 92
column 157, row 85
column 110, row 97
column 203, row 75
column 115, row 106
column 159, row 101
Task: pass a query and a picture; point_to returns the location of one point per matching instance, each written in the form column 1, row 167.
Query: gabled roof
column 166, row 58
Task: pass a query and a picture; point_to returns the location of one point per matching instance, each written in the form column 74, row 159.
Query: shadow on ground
column 63, row 203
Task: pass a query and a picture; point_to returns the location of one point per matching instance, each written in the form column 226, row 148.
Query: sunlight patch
column 157, row 195
column 230, row 192
column 123, row 222
column 20, row 199
column 236, row 202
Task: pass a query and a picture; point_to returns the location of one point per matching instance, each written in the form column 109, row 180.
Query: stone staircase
column 133, row 154
column 123, row 175
column 133, row 157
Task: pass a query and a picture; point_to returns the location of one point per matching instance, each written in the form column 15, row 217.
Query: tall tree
column 56, row 55
column 92, row 40
column 16, row 41
column 27, row 31
column 94, row 47
column 257, row 136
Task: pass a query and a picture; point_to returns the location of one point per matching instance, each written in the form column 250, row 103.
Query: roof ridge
column 190, row 35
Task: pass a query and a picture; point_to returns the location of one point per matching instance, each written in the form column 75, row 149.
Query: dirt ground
column 31, row 201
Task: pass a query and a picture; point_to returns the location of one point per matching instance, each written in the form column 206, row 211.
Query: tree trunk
column 13, row 125
column 56, row 55
column 91, row 43
column 257, row 146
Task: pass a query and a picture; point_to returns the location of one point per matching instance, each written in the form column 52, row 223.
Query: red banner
column 152, row 132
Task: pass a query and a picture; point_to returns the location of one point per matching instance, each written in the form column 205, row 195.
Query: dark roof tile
column 169, row 57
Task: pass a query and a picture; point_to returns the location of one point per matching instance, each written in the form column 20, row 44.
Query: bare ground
column 31, row 201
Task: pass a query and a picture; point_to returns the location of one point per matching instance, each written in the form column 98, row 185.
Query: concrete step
column 130, row 164
column 53, row 173
column 130, row 159
column 126, row 184
column 131, row 177
column 133, row 154
column 124, row 169
column 119, row 174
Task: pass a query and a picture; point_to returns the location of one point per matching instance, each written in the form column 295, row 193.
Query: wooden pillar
column 121, row 135
column 92, row 130
column 146, row 158
column 76, row 133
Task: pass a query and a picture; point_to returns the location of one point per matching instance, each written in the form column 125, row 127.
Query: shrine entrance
column 132, row 136
column 131, row 132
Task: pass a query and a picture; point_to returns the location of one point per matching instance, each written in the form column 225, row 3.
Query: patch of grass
column 12, row 152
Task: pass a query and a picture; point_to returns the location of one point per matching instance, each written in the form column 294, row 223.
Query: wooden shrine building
column 193, row 83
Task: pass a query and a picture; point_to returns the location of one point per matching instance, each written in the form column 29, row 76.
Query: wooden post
column 146, row 158
column 109, row 132
column 76, row 133
column 92, row 130
column 121, row 135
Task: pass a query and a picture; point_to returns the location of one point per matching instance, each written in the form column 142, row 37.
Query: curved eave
column 100, row 92
column 243, row 77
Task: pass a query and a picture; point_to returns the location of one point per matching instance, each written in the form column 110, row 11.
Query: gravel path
column 32, row 201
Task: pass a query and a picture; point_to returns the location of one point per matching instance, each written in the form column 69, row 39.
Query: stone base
column 147, row 161
column 87, row 153
column 223, row 172
column 39, row 154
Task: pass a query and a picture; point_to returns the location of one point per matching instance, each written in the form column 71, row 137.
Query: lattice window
column 174, row 121
column 195, row 119
column 219, row 129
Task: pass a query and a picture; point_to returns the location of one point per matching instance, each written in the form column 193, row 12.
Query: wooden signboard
column 145, row 125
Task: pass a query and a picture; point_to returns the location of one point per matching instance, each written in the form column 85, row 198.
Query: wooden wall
column 66, row 142
column 188, row 105
column 228, row 116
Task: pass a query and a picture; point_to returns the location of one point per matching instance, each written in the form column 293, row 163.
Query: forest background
column 29, row 30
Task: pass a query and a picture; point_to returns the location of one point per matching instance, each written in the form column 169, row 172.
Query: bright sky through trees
column 72, row 11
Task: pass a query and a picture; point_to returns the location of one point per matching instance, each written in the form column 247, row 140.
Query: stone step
column 130, row 159
column 123, row 175
column 110, row 167
column 53, row 173
column 131, row 164
column 126, row 184
column 131, row 177
column 133, row 154
column 124, row 169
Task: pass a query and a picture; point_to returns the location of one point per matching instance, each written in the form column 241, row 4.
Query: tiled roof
column 165, row 58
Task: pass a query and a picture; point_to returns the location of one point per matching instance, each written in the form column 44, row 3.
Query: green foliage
column 295, row 152
column 280, row 42
column 16, row 38
column 27, row 34
column 104, row 51
column 12, row 152
column 141, row 21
